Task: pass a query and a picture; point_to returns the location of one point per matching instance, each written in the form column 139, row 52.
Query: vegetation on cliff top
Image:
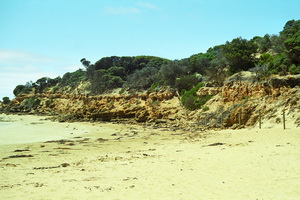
column 267, row 55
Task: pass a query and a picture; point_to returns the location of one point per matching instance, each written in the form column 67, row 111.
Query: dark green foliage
column 130, row 64
column 5, row 100
column 277, row 44
column 31, row 103
column 263, row 44
column 291, row 36
column 290, row 28
column 200, row 63
column 154, row 87
column 218, row 66
column 117, row 71
column 265, row 59
column 19, row 89
column 73, row 78
column 143, row 79
column 239, row 54
column 39, row 86
column 85, row 63
column 294, row 69
column 278, row 64
column 292, row 45
column 104, row 80
column 187, row 82
column 110, row 72
column 193, row 102
column 174, row 70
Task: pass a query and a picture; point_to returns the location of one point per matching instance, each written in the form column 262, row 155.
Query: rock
column 141, row 116
column 65, row 165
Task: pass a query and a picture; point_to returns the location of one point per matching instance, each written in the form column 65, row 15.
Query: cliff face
column 241, row 102
column 140, row 107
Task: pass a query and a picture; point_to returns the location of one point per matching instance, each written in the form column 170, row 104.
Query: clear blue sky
column 49, row 37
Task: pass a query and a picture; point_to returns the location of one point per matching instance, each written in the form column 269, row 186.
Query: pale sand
column 145, row 163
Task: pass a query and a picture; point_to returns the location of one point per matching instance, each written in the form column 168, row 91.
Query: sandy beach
column 40, row 159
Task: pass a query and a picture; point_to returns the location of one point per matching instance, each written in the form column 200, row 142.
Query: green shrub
column 122, row 91
column 6, row 100
column 193, row 102
column 205, row 108
column 294, row 69
column 186, row 82
column 143, row 79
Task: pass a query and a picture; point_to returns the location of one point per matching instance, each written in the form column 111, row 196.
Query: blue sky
column 49, row 37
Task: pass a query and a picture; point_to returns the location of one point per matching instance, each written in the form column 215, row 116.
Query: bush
column 6, row 100
column 294, row 69
column 174, row 70
column 279, row 64
column 143, row 79
column 73, row 78
column 191, row 101
column 187, row 82
column 117, row 71
column 103, row 80
column 23, row 89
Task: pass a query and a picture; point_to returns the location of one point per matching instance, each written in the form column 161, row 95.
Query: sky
column 47, row 38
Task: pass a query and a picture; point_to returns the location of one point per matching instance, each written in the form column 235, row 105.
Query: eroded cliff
column 241, row 102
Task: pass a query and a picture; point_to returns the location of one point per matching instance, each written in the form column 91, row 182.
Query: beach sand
column 115, row 161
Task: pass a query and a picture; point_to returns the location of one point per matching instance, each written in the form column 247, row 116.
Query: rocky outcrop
column 243, row 100
column 138, row 107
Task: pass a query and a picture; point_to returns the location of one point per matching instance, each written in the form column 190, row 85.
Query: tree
column 187, row 82
column 104, row 80
column 174, row 70
column 239, row 54
column 117, row 71
column 73, row 78
column 200, row 62
column 291, row 36
column 278, row 64
column 292, row 45
column 263, row 43
column 85, row 63
column 143, row 78
column 18, row 89
column 6, row 100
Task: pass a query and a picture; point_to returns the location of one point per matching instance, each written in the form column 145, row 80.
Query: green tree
column 278, row 64
column 143, row 78
column 239, row 54
column 277, row 44
column 117, row 71
column 174, row 70
column 291, row 36
column 200, row 62
column 292, row 45
column 18, row 89
column 73, row 78
column 103, row 80
column 85, row 63
column 6, row 100
column 187, row 82
column 264, row 44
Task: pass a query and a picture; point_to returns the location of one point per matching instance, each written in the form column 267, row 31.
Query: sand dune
column 110, row 161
